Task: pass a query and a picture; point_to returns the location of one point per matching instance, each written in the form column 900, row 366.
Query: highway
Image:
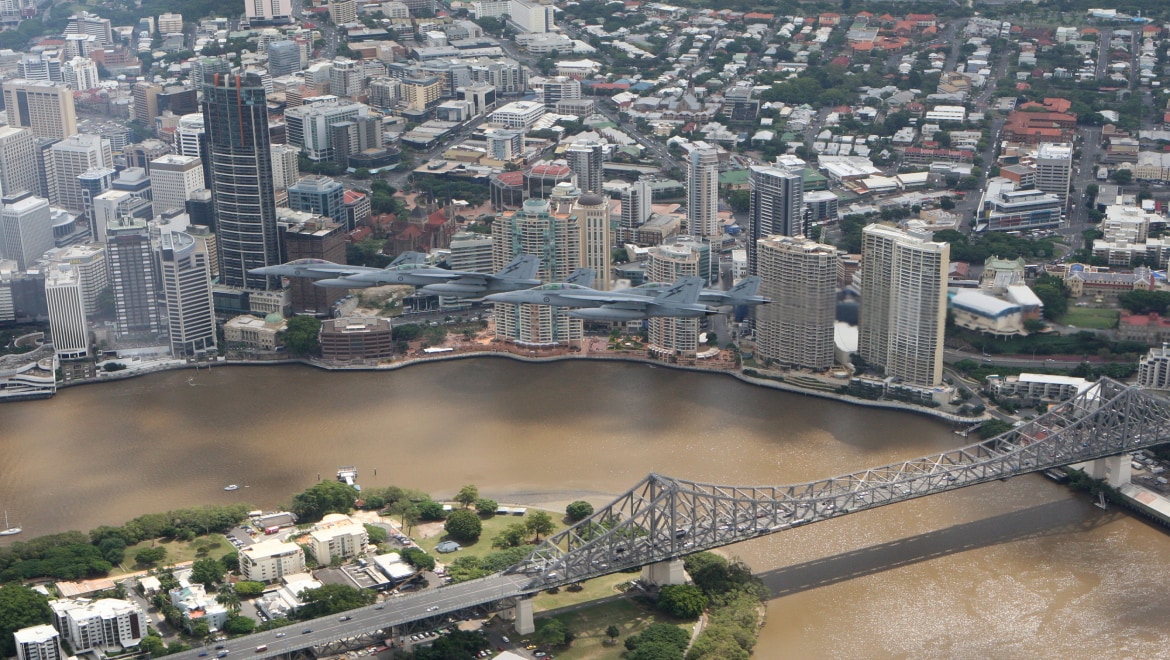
column 395, row 611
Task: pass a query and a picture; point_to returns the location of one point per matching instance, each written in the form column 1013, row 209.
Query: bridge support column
column 1115, row 470
column 664, row 572
column 522, row 614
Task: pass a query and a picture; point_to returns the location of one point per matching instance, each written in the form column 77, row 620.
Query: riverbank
column 538, row 359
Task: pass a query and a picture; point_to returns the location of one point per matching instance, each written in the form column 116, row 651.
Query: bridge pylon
column 662, row 573
column 522, row 619
column 1115, row 470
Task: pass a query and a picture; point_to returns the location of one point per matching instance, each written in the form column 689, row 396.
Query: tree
column 228, row 597
column 323, row 498
column 231, row 562
column 1034, row 325
column 946, row 203
column 463, row 525
column 147, row 556
column 579, row 510
column 207, row 571
column 239, row 625
column 551, row 632
column 467, row 495
column 331, row 599
column 512, row 536
column 612, row 632
column 113, row 549
column 486, row 507
column 376, row 534
column 430, row 510
column 1054, row 294
column 20, row 607
column 301, row 335
column 1123, row 177
column 249, row 589
column 740, row 200
column 655, row 651
column 659, row 634
column 540, row 523
column 419, row 559
column 682, row 601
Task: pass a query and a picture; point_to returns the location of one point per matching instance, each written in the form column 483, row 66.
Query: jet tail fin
column 523, row 267
column 747, row 287
column 581, row 276
column 685, row 290
column 408, row 258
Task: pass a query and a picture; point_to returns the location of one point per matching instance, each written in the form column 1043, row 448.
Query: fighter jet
column 319, row 268
column 677, row 300
column 743, row 293
column 519, row 274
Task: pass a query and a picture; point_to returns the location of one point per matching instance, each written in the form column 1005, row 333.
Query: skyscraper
column 636, row 209
column 146, row 102
column 285, row 167
column 73, row 157
column 1054, row 162
column 903, row 303
column 173, row 179
column 587, row 160
column 133, row 277
column 284, row 58
column 800, row 277
column 235, row 116
column 46, row 108
column 320, row 195
column 186, row 282
column 26, row 229
column 67, row 321
column 534, row 229
column 319, row 238
column 592, row 212
column 91, row 184
column 776, row 209
column 670, row 335
column 18, row 165
column 702, row 189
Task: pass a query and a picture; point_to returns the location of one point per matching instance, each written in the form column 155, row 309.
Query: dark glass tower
column 235, row 118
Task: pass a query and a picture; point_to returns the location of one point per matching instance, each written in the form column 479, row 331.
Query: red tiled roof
column 351, row 196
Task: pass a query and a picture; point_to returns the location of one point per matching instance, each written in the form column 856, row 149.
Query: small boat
column 9, row 531
column 231, row 487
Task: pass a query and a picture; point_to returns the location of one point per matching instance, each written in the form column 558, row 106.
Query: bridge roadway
column 369, row 625
column 663, row 518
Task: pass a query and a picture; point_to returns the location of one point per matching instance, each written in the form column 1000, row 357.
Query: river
column 1016, row 569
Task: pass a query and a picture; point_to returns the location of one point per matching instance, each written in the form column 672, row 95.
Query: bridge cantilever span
column 664, row 518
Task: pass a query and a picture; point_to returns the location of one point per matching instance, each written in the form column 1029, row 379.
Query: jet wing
column 603, row 297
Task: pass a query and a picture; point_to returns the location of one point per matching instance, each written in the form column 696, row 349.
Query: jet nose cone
column 263, row 270
column 499, row 297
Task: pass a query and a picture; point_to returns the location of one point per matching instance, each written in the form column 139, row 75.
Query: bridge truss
column 663, row 518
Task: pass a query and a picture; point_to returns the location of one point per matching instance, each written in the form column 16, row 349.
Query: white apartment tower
column 186, row 283
column 104, row 624
column 73, row 157
column 81, row 74
column 46, row 108
column 587, row 159
column 776, row 208
column 670, row 335
column 67, row 321
column 190, row 136
column 41, row 642
column 636, row 209
column 26, row 229
column 173, row 178
column 285, row 166
column 592, row 212
column 903, row 303
column 702, row 190
column 89, row 260
column 1054, row 163
column 269, row 561
column 18, row 160
column 268, row 11
column 800, row 277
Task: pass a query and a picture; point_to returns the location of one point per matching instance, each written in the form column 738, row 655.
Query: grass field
column 212, row 545
column 491, row 527
column 595, row 589
column 589, row 623
column 1091, row 317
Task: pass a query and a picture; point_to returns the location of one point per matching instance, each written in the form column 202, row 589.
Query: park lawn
column 212, row 545
column 491, row 527
column 1091, row 317
column 595, row 589
column 588, row 627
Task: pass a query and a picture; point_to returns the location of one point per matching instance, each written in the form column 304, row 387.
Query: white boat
column 9, row 531
column 231, row 487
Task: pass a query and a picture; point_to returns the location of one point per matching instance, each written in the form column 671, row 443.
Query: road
column 367, row 620
column 1015, row 361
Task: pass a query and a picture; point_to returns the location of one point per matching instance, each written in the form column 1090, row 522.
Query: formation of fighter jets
column 516, row 283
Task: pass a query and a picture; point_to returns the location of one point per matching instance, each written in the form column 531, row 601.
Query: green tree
column 20, row 607
column 612, row 632
column 551, row 632
column 113, row 549
column 419, row 559
column 540, row 523
column 301, row 335
column 430, row 510
column 463, row 525
column 682, row 601
column 579, row 510
column 467, row 495
column 249, row 589
column 1054, row 294
column 239, row 625
column 1123, row 177
column 655, row 651
column 513, row 535
column 228, row 597
column 740, row 200
column 200, row 629
column 376, row 534
column 331, row 599
column 659, row 634
column 231, row 562
column 486, row 507
column 207, row 571
column 946, row 203
column 323, row 498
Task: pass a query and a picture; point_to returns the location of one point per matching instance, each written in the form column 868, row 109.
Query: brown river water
column 1017, row 569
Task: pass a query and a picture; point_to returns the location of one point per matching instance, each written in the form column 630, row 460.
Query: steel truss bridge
column 663, row 518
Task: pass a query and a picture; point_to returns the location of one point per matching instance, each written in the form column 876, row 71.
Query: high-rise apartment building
column 284, row 58
column 114, row 204
column 903, row 303
column 776, row 207
column 560, row 88
column 342, row 11
column 346, row 78
column 310, row 127
column 702, row 189
column 556, row 240
column 587, row 160
column 235, row 114
column 1054, row 163
column 89, row 260
column 91, row 184
column 146, row 102
column 106, row 624
column 592, row 212
column 672, row 335
column 186, row 284
column 95, row 26
column 636, row 209
column 67, row 321
column 320, row 195
column 260, row 12
column 72, row 157
column 285, row 166
column 173, row 179
column 45, row 66
column 532, row 17
column 319, row 238
column 26, row 229
column 41, row 642
column 81, row 74
column 800, row 277
column 133, row 277
column 18, row 160
column 45, row 108
column 170, row 23
column 471, row 252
